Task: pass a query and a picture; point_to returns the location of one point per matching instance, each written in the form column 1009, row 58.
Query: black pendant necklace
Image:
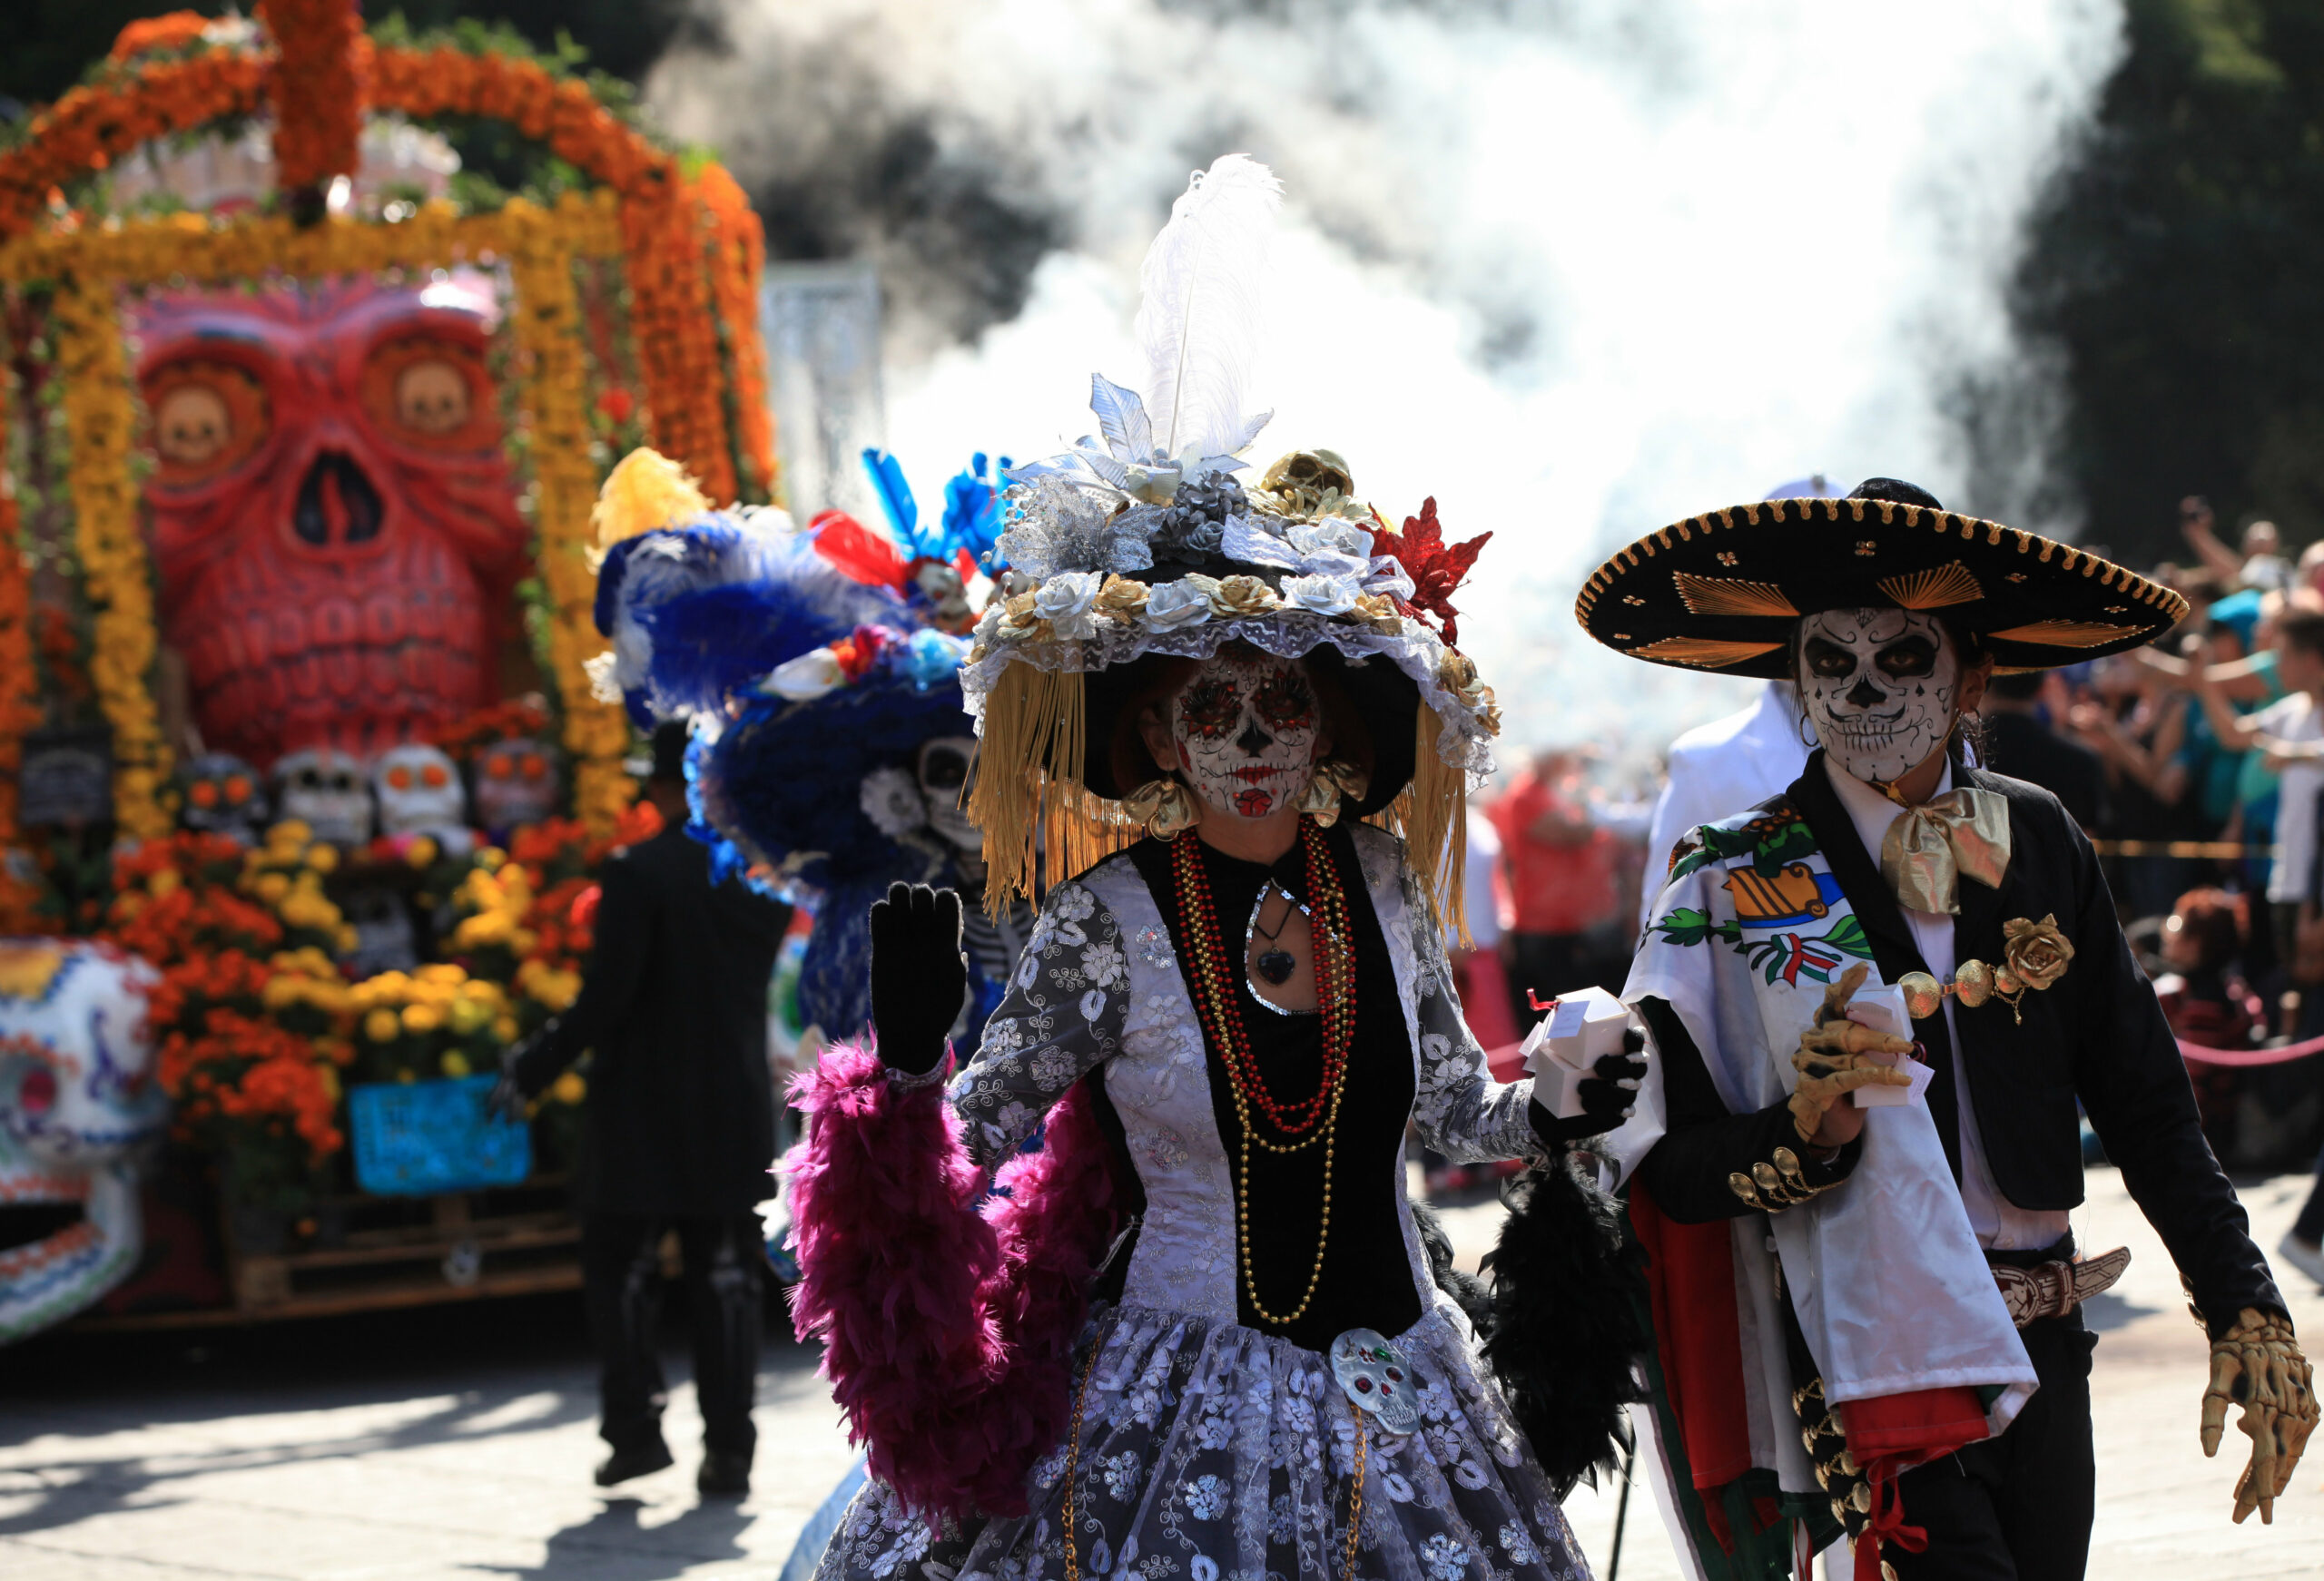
column 1274, row 965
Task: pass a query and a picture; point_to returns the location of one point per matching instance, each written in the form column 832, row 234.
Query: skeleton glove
column 1832, row 1062
column 2257, row 1365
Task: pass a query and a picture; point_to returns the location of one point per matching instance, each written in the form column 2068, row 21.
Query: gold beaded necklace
column 1221, row 1016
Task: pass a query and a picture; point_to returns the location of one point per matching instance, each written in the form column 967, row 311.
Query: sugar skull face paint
column 1246, row 732
column 943, row 772
column 1880, row 686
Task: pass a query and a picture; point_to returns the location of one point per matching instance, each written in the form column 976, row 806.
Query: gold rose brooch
column 2034, row 956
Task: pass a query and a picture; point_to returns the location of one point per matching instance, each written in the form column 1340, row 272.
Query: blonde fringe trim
column 1037, row 817
column 1431, row 815
column 1028, row 796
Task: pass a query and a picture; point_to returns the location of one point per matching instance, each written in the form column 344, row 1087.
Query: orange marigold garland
column 92, row 126
column 172, row 31
column 677, row 341
column 323, row 60
column 737, row 259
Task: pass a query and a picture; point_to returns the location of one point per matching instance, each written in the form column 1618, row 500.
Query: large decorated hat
column 811, row 664
column 1140, row 543
column 1724, row 592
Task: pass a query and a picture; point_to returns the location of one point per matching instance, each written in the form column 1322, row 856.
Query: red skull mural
column 335, row 526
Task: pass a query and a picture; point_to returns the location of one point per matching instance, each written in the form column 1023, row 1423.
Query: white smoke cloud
column 1576, row 269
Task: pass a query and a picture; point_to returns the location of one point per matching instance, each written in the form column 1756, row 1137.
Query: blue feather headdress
column 810, row 782
column 698, row 610
column 814, row 666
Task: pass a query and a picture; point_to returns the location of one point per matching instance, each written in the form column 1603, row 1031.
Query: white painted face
column 1247, row 732
column 943, row 770
column 1879, row 686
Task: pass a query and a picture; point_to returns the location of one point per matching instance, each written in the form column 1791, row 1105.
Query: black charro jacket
column 2097, row 1035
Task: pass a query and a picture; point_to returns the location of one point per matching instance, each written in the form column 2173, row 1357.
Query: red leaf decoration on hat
column 1436, row 567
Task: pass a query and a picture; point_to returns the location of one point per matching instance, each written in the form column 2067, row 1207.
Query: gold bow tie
column 1926, row 850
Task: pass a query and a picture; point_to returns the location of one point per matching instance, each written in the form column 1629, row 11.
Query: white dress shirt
column 2001, row 1225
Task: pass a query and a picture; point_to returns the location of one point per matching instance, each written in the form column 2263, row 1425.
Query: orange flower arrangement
column 173, row 31
column 503, row 722
column 737, row 259
column 690, row 248
column 245, row 1086
column 318, row 87
column 92, row 126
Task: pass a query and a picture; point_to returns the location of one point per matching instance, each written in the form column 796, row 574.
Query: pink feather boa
column 948, row 1332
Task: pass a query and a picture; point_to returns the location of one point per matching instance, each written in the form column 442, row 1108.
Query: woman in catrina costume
column 1197, row 1336
column 1875, row 1002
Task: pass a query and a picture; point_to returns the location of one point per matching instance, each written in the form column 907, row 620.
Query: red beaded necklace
column 1221, row 1016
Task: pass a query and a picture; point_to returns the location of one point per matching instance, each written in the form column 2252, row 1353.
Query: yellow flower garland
column 540, row 246
column 548, row 329
column 99, row 417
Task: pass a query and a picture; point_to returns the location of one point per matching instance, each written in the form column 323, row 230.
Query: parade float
column 303, row 781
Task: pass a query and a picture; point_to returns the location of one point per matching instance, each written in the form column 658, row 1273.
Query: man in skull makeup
column 1876, row 1001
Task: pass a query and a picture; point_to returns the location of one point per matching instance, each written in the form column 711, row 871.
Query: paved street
column 459, row 1443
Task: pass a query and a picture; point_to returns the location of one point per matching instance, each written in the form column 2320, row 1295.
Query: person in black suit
column 2020, row 745
column 678, row 1131
column 1979, row 898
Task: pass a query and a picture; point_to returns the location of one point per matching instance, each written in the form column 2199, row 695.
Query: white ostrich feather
column 1201, row 319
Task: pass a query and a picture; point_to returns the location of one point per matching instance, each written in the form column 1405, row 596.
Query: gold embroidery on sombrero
column 1934, row 589
column 1731, row 596
column 2064, row 634
column 1704, row 652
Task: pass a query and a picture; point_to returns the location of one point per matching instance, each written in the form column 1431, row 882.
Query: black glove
column 918, row 976
column 1606, row 1096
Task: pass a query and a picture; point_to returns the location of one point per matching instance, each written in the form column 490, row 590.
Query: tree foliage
column 46, row 45
column 2173, row 261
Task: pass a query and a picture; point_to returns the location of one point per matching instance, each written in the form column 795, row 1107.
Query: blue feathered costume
column 830, row 739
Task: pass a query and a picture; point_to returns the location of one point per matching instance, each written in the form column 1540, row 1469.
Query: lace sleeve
column 1459, row 1110
column 1062, row 1018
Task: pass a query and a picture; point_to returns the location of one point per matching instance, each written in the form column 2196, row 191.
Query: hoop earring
column 1335, row 778
column 1164, row 806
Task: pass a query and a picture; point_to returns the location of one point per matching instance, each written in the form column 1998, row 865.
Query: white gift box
column 1883, row 1010
column 1565, row 1045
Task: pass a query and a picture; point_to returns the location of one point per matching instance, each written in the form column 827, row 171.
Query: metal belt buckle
column 1374, row 1376
column 2052, row 1289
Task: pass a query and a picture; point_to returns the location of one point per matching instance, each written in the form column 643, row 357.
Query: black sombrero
column 1724, row 592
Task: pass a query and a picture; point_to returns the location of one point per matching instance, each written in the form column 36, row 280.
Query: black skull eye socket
column 1210, row 707
column 1907, row 657
column 1827, row 659
column 944, row 769
column 1284, row 703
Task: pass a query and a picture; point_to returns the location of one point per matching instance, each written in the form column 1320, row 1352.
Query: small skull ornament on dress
column 1247, row 729
column 1880, row 686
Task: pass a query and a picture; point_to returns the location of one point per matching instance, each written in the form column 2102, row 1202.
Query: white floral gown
column 1211, row 1451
